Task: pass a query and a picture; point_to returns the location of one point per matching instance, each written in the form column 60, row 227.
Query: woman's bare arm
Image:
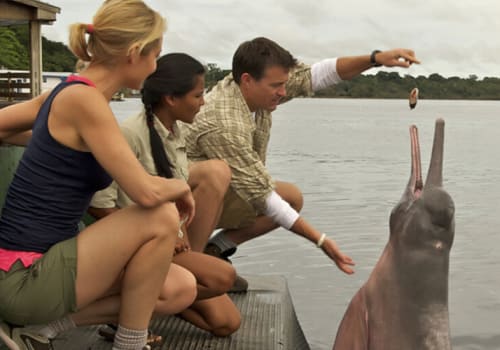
column 92, row 126
column 19, row 118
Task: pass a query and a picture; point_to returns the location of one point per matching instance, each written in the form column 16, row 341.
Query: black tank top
column 51, row 189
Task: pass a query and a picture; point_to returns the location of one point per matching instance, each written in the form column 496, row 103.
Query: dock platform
column 268, row 322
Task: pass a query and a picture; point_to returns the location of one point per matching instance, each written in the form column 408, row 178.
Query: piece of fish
column 413, row 98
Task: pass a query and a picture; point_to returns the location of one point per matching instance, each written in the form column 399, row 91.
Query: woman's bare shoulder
column 82, row 100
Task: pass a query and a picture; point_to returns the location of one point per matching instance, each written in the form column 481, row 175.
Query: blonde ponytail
column 77, row 41
column 118, row 27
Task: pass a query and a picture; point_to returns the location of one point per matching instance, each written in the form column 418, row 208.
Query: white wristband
column 321, row 240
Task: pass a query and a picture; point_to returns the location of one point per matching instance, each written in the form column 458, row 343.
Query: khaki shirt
column 136, row 132
column 225, row 128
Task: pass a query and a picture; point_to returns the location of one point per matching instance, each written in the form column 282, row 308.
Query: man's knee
column 220, row 171
column 290, row 193
column 212, row 174
column 216, row 171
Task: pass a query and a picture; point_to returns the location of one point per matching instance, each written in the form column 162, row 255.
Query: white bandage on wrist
column 321, row 240
column 324, row 74
column 280, row 211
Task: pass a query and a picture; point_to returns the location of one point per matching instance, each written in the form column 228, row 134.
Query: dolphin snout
column 435, row 174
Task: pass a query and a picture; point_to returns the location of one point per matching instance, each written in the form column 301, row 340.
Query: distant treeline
column 56, row 57
column 392, row 85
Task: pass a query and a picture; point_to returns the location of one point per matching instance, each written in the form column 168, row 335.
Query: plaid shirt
column 225, row 128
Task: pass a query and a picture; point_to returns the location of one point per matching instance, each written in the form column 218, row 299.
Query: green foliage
column 213, row 75
column 13, row 54
column 57, row 57
column 14, row 45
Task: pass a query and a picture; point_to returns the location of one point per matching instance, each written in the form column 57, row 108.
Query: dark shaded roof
column 23, row 11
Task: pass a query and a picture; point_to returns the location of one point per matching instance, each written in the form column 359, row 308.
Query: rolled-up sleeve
column 299, row 83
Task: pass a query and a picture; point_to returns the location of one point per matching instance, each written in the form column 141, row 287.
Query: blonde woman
column 114, row 270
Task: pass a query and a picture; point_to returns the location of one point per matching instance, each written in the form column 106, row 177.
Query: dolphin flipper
column 353, row 330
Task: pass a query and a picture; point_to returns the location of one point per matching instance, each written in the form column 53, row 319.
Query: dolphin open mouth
column 435, row 173
column 416, row 182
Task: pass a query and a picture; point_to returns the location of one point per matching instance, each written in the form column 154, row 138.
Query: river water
column 351, row 160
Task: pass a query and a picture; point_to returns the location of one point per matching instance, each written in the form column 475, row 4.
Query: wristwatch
column 373, row 61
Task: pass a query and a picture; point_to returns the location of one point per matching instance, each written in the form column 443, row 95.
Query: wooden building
column 34, row 14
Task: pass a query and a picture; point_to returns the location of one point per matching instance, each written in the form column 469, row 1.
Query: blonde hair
column 118, row 27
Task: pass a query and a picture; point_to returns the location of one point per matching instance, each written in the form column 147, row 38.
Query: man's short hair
column 254, row 56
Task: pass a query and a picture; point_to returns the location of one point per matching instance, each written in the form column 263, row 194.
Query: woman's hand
column 181, row 245
column 342, row 261
column 185, row 206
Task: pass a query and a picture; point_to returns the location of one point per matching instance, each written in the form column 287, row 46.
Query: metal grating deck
column 269, row 322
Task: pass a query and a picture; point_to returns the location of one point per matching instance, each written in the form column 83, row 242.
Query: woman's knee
column 227, row 325
column 179, row 291
column 163, row 221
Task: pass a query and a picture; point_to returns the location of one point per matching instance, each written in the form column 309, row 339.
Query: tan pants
column 236, row 213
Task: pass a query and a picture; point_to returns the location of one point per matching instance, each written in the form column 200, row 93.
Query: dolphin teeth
column 419, row 185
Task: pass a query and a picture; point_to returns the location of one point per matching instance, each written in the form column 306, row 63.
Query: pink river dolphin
column 404, row 303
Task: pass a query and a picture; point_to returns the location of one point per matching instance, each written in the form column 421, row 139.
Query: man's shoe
column 240, row 285
column 214, row 250
column 21, row 338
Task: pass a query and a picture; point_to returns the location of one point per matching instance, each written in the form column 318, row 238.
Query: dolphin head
column 423, row 220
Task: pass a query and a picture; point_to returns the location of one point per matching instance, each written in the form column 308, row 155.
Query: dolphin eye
column 440, row 207
column 443, row 218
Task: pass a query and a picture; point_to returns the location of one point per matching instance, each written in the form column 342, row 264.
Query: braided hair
column 175, row 75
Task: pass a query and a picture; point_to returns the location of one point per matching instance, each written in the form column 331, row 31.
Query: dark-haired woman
column 174, row 92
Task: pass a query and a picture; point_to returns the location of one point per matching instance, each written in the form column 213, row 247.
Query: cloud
column 450, row 37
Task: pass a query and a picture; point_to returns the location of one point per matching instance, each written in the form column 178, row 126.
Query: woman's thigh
column 106, row 247
column 211, row 272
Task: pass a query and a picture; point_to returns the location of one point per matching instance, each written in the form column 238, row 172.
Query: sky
column 450, row 37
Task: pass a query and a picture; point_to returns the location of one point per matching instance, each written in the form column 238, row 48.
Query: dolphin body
column 404, row 303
